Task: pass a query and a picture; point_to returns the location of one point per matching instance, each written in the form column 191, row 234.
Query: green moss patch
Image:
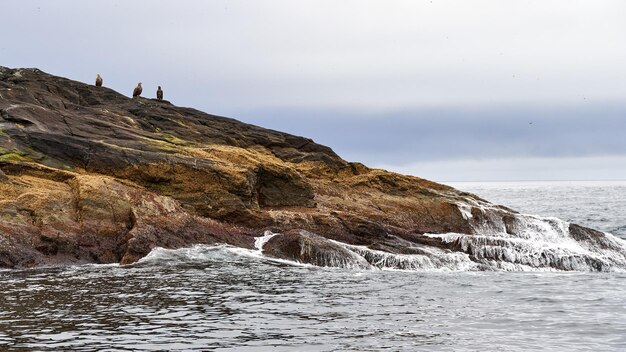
column 175, row 140
column 13, row 157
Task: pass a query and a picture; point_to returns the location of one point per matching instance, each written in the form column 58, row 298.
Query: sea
column 221, row 298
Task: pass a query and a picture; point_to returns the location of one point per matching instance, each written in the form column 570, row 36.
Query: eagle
column 138, row 90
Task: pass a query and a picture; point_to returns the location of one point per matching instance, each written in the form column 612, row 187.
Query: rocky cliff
column 90, row 175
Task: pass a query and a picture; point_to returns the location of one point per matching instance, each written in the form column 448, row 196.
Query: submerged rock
column 90, row 175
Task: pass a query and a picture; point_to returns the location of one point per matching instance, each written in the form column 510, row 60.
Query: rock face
column 90, row 175
column 52, row 216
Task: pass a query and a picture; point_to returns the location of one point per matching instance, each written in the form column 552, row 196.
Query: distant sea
column 222, row 298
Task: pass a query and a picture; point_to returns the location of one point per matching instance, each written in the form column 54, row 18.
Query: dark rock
column 282, row 187
column 308, row 248
column 593, row 237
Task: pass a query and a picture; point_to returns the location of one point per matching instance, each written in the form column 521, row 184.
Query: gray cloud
column 370, row 54
column 386, row 82
column 400, row 138
column 516, row 169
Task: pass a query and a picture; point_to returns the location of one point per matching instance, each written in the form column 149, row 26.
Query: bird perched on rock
column 98, row 80
column 159, row 93
column 138, row 90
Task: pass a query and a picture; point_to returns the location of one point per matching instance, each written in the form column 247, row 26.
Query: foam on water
column 200, row 252
column 509, row 240
column 475, row 253
column 211, row 253
column 501, row 240
column 197, row 253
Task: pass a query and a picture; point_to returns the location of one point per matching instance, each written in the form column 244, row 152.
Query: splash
column 434, row 259
column 505, row 240
column 259, row 242
column 501, row 240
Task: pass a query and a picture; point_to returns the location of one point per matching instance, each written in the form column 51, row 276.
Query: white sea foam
column 434, row 259
column 523, row 243
column 259, row 242
column 466, row 210
column 204, row 253
column 504, row 240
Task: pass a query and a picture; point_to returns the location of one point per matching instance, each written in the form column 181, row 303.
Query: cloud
column 420, row 135
column 385, row 82
column 517, row 169
column 369, row 54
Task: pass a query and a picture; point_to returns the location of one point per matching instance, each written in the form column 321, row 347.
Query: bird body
column 98, row 80
column 138, row 90
column 159, row 93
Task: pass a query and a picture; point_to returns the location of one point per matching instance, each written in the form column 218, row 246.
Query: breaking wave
column 502, row 240
column 223, row 253
column 510, row 241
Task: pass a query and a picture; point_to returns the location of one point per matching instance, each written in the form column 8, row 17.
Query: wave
column 221, row 253
column 479, row 253
column 501, row 241
column 501, row 236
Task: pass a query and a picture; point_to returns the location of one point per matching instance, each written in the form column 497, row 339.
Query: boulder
column 308, row 248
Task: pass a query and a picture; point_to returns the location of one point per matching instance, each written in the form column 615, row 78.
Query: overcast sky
column 447, row 90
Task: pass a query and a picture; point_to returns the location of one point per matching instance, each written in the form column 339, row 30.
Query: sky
column 446, row 90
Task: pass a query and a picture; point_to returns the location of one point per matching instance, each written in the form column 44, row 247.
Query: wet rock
column 595, row 238
column 308, row 248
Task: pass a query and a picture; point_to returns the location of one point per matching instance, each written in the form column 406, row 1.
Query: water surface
column 228, row 299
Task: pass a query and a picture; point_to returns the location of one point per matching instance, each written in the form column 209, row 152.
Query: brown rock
column 98, row 219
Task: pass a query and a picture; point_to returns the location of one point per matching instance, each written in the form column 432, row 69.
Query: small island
column 88, row 175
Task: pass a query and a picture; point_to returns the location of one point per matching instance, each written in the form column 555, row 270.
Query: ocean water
column 220, row 298
column 600, row 205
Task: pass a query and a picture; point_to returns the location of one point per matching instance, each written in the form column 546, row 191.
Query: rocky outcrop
column 308, row 248
column 53, row 216
column 90, row 175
